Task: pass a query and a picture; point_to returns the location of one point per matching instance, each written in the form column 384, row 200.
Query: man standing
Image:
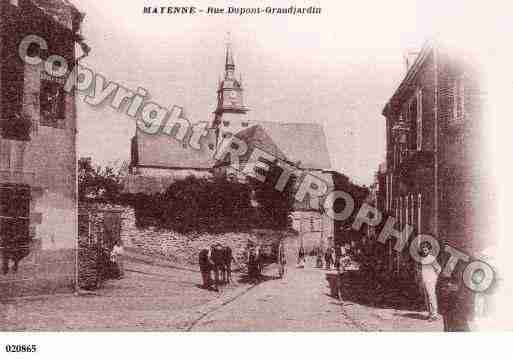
column 301, row 256
column 338, row 256
column 217, row 258
column 328, row 257
column 429, row 270
column 205, row 267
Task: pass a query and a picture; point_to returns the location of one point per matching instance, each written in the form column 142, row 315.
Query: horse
column 227, row 269
column 217, row 255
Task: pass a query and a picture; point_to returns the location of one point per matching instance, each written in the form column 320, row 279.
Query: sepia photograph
column 248, row 167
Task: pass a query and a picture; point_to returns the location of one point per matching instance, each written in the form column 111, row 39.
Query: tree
column 97, row 183
column 274, row 206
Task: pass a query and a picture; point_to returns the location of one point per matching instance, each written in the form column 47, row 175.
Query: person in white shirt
column 430, row 270
column 116, row 256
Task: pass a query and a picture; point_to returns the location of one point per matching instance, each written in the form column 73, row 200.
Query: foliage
column 215, row 205
column 343, row 231
column 274, row 206
column 97, row 183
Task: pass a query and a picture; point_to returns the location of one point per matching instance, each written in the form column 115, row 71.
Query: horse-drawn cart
column 267, row 249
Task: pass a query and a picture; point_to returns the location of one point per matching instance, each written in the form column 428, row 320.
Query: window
column 387, row 192
column 419, row 214
column 459, row 99
column 52, row 102
column 390, row 197
column 412, row 210
column 419, row 119
column 407, row 221
column 412, row 123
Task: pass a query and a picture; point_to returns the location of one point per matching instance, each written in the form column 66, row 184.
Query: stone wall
column 180, row 248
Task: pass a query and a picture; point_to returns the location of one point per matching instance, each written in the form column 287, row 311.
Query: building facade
column 38, row 195
column 434, row 178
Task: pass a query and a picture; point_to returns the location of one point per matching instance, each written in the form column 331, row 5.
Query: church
column 158, row 160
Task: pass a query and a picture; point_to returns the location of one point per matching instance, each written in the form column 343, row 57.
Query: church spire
column 229, row 65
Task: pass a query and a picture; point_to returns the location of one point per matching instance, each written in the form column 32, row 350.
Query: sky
column 337, row 69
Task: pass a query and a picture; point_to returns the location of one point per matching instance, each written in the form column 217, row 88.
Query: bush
column 214, row 205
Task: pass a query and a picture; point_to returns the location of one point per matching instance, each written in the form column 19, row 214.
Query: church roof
column 163, row 151
column 303, row 143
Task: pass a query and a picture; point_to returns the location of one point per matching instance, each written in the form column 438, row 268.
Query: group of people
column 332, row 256
column 216, row 259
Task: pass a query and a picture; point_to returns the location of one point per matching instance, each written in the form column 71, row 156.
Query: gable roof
column 303, row 143
column 165, row 151
column 405, row 84
column 294, row 142
column 256, row 136
column 300, row 142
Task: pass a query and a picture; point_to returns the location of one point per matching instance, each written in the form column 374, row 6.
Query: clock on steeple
column 230, row 92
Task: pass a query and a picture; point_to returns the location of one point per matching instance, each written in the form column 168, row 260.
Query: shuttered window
column 459, row 99
column 419, row 119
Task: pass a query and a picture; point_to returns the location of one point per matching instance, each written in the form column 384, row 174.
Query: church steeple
column 230, row 100
column 230, row 91
column 229, row 65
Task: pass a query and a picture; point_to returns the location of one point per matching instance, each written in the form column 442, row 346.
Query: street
column 159, row 296
column 302, row 302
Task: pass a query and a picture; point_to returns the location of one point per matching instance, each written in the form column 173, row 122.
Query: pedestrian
column 205, row 267
column 228, row 259
column 116, row 257
column 328, row 257
column 217, row 258
column 318, row 263
column 252, row 264
column 338, row 256
column 429, row 270
column 282, row 259
column 301, row 255
column 259, row 262
column 456, row 305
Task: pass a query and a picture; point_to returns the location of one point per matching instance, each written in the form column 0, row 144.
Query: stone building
column 38, row 197
column 434, row 178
